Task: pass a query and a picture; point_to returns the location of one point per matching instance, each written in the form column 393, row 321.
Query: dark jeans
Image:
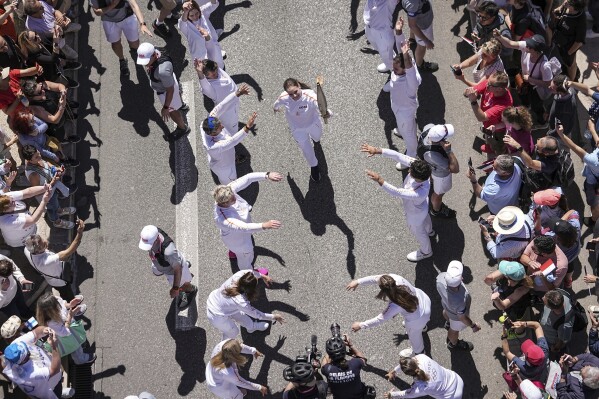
column 16, row 307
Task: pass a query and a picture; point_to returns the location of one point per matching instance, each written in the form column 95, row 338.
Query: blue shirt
column 591, row 167
column 499, row 193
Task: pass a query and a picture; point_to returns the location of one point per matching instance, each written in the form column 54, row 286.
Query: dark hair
column 545, row 244
column 21, row 123
column 578, row 5
column 555, row 299
column 246, row 285
column 31, row 7
column 211, row 120
column 558, row 81
column 399, row 58
column 6, row 268
column 29, row 151
column 28, row 87
column 209, row 65
column 398, row 294
column 488, row 7
column 550, row 147
column 420, row 169
column 196, row 6
column 294, row 82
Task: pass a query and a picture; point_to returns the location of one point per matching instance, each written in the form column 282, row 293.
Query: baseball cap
column 453, row 275
column 10, row 327
column 148, row 235
column 561, row 227
column 547, row 197
column 530, row 390
column 534, row 354
column 144, row 53
column 537, row 42
column 16, row 352
column 5, row 72
column 439, row 133
column 512, row 270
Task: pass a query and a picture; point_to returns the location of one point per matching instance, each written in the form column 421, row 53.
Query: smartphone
column 486, row 131
column 483, row 221
column 28, row 286
column 456, row 71
column 558, row 122
column 590, row 246
column 470, row 165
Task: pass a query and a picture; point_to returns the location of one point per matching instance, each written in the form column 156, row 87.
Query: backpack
column 164, row 57
column 165, row 243
column 423, row 148
column 581, row 319
column 565, row 172
column 537, row 19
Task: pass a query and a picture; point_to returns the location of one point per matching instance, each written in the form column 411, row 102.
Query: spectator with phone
column 543, row 165
column 512, row 230
column 564, row 106
column 12, row 301
column 50, row 264
column 535, row 364
column 536, row 259
column 502, row 185
column 580, row 376
column 518, row 125
column 486, row 61
column 511, row 290
column 567, row 233
column 16, row 223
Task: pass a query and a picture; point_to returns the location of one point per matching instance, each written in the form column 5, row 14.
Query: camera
column 507, row 323
column 302, row 370
column 336, row 330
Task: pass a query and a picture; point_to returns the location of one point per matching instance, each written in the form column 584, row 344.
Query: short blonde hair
column 223, row 194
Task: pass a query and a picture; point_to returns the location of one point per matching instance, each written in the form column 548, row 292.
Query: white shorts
column 428, row 32
column 442, row 185
column 456, row 325
column 176, row 102
column 114, row 30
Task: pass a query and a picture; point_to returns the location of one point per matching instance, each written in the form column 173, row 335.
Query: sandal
column 63, row 224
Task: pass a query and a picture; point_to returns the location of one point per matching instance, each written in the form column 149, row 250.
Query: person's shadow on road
column 318, row 207
column 190, row 347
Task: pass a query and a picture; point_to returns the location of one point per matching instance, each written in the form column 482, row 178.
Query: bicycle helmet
column 299, row 372
column 335, row 348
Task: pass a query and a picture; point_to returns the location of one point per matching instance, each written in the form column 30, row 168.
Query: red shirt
column 492, row 106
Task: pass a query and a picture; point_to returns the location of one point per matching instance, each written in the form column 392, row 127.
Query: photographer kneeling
column 303, row 381
column 342, row 375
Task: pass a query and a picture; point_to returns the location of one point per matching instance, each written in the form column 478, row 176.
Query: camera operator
column 342, row 375
column 303, row 382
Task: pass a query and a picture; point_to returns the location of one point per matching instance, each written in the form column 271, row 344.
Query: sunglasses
column 482, row 17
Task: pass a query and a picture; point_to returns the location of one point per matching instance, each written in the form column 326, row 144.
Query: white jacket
column 301, row 113
column 404, row 88
column 230, row 375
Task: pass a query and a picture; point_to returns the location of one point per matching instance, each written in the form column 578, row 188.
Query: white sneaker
column 399, row 166
column 382, row 68
column 387, row 87
column 258, row 326
column 397, row 133
column 67, row 392
column 73, row 27
column 223, row 53
column 417, row 256
column 69, row 53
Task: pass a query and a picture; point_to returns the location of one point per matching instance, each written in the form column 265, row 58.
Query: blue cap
column 16, row 352
column 512, row 270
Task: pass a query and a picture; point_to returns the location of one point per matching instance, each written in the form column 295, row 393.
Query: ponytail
column 294, row 82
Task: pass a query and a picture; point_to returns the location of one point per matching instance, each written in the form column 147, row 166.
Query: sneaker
column 382, row 68
column 73, row 104
column 262, row 270
column 67, row 393
column 445, row 212
column 258, row 326
column 594, row 309
column 80, row 310
column 399, row 166
column 72, row 28
column 461, row 345
column 178, row 132
column 124, row 68
column 387, row 87
column 432, row 233
column 67, row 210
column 69, row 53
column 72, row 66
column 223, row 53
column 161, row 30
column 71, row 84
column 232, row 255
column 315, row 174
column 486, row 149
column 63, row 224
column 397, row 133
column 417, row 256
column 428, row 67
column 69, row 162
column 92, row 359
column 184, row 108
column 183, row 302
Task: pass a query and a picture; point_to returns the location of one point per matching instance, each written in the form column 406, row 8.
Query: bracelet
column 473, row 102
column 473, row 182
column 247, row 128
column 142, row 23
column 519, row 149
column 267, row 175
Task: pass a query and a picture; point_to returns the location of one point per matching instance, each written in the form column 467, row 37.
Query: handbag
column 70, row 343
column 65, row 274
column 522, row 87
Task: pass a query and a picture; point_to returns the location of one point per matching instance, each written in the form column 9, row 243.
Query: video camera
column 302, row 370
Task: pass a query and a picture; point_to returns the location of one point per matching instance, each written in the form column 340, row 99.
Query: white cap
column 530, row 390
column 453, row 276
column 5, row 72
column 439, row 133
column 145, row 51
column 148, row 236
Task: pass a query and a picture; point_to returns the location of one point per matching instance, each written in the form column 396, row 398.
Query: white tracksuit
column 414, row 196
column 378, row 25
column 304, row 121
column 442, row 384
column 217, row 90
column 198, row 46
column 221, row 148
column 414, row 322
column 235, row 222
column 224, row 311
column 224, row 382
column 404, row 102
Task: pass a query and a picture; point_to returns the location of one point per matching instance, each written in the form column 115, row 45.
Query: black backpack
column 160, row 256
column 423, row 148
column 564, row 175
column 164, row 57
column 581, row 319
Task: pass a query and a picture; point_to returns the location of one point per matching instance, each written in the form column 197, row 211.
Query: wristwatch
column 142, row 23
column 474, row 102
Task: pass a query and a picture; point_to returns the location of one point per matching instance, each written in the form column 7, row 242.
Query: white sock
column 159, row 23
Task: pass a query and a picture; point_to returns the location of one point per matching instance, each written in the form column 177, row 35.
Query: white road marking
column 186, row 212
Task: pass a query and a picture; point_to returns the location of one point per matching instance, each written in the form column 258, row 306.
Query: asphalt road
column 342, row 227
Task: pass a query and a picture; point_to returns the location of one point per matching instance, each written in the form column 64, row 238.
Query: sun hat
column 509, row 220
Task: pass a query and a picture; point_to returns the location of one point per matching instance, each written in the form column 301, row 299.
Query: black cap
column 537, row 42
